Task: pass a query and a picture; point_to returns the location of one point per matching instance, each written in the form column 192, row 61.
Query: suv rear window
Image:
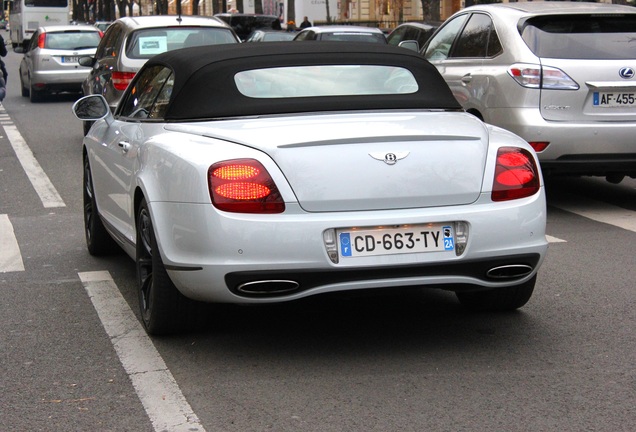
column 581, row 36
column 147, row 43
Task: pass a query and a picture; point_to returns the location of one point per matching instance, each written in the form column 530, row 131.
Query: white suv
column 559, row 74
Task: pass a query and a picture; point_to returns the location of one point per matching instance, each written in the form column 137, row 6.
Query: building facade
column 380, row 13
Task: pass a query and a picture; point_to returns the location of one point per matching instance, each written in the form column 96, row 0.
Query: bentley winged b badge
column 389, row 158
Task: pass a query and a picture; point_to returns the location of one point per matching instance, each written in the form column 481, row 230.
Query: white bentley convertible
column 267, row 173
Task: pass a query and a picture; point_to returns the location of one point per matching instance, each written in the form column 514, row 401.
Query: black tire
column 498, row 299
column 87, row 126
column 34, row 95
column 98, row 241
column 25, row 91
column 164, row 310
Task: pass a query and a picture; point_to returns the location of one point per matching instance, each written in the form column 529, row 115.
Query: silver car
column 342, row 33
column 559, row 74
column 412, row 31
column 50, row 61
column 299, row 182
column 130, row 41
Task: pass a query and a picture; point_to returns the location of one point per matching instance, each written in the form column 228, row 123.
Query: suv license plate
column 70, row 59
column 613, row 100
column 354, row 242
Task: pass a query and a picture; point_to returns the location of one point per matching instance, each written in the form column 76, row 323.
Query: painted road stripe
column 554, row 239
column 155, row 386
column 40, row 181
column 598, row 211
column 10, row 257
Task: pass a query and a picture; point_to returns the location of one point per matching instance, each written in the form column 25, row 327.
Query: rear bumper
column 246, row 284
column 58, row 88
column 259, row 259
column 578, row 148
column 592, row 164
column 72, row 78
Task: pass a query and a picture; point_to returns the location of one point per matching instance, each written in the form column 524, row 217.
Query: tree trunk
column 291, row 11
column 121, row 7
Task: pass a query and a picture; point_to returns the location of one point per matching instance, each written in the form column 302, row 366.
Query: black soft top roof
column 204, row 78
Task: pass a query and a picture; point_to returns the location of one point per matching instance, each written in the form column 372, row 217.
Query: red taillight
column 41, row 40
column 516, row 175
column 122, row 79
column 243, row 186
column 539, row 146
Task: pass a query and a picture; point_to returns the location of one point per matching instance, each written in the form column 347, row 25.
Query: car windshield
column 353, row 37
column 582, row 36
column 72, row 40
column 315, row 81
column 146, row 43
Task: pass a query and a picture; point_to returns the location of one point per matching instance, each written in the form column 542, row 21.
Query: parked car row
column 557, row 74
column 260, row 173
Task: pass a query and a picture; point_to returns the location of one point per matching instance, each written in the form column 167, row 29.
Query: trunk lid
column 368, row 161
column 600, row 84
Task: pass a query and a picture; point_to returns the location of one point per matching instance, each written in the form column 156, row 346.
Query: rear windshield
column 244, row 25
column 71, row 40
column 354, row 37
column 316, row 81
column 582, row 36
column 147, row 43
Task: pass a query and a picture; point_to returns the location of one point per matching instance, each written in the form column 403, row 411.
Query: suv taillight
column 541, row 77
column 41, row 40
column 243, row 186
column 516, row 175
column 122, row 79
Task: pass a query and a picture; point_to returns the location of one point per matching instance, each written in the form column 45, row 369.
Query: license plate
column 614, row 99
column 354, row 242
column 70, row 59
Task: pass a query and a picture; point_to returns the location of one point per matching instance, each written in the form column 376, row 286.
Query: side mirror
column 22, row 48
column 92, row 108
column 86, row 61
column 410, row 45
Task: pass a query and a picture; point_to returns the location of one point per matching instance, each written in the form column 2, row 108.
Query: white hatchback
column 50, row 62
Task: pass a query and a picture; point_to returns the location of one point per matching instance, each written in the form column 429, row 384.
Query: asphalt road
column 409, row 362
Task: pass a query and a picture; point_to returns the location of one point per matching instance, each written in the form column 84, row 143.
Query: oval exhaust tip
column 266, row 287
column 510, row 271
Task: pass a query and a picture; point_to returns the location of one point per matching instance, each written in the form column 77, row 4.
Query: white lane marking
column 157, row 389
column 10, row 257
column 598, row 211
column 554, row 239
column 40, row 181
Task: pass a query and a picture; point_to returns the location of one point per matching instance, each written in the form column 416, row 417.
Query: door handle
column 467, row 78
column 124, row 145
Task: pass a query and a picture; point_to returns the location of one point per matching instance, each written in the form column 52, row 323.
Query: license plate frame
column 615, row 99
column 355, row 242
